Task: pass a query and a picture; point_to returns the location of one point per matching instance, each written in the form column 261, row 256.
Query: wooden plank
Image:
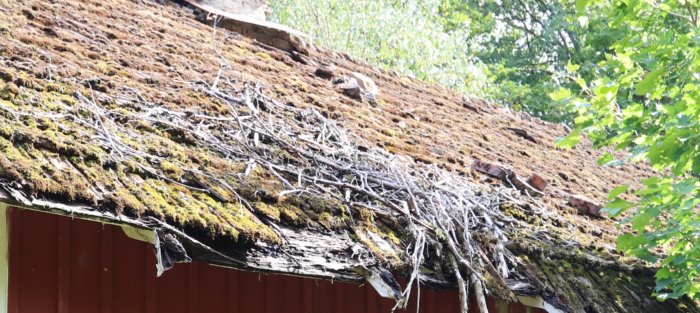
column 271, row 294
column 448, row 301
column 173, row 291
column 307, row 295
column 85, row 266
column 310, row 247
column 290, row 293
column 232, row 291
column 38, row 273
column 371, row 302
column 323, row 296
column 213, row 289
column 193, row 288
column 13, row 219
column 339, row 297
column 385, row 305
column 133, row 277
column 129, row 274
column 151, row 293
column 354, row 298
column 64, row 264
column 106, row 279
column 427, row 300
column 251, row 293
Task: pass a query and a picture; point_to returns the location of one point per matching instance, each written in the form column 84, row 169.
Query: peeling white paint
column 148, row 236
column 382, row 288
column 145, row 235
column 538, row 302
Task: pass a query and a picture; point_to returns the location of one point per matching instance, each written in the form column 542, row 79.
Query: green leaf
column 685, row 187
column 581, row 6
column 560, row 94
column 572, row 68
column 617, row 191
column 606, row 159
column 617, row 206
column 663, row 273
column 649, row 83
column 570, row 140
column 651, row 181
column 641, row 221
column 628, row 242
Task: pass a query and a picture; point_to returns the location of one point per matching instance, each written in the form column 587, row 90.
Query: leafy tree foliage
column 406, row 35
column 512, row 51
column 644, row 97
column 527, row 46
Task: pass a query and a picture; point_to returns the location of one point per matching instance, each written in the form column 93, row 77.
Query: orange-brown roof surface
column 162, row 52
column 126, row 56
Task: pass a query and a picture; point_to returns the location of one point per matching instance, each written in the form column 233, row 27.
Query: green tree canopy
column 643, row 98
column 406, row 35
column 512, row 51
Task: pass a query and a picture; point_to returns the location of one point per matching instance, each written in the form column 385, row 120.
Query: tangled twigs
column 478, row 293
column 462, row 285
column 309, row 154
column 444, row 209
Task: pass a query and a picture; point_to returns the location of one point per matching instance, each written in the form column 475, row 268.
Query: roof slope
column 135, row 111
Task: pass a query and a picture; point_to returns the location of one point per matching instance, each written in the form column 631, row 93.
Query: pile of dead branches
column 444, row 210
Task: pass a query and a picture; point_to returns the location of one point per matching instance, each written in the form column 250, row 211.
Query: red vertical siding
column 63, row 265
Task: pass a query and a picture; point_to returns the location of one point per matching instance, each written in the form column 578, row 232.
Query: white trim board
column 538, row 302
column 4, row 262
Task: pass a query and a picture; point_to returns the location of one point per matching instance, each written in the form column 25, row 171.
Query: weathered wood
column 273, row 34
column 329, row 255
column 310, row 253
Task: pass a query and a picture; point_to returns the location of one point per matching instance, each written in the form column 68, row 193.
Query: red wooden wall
column 62, row 265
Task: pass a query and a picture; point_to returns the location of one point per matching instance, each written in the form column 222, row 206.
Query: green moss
column 327, row 220
column 6, row 75
column 389, row 132
column 366, row 216
column 387, row 255
column 389, row 234
column 269, row 210
column 264, row 56
column 123, row 201
column 298, row 85
column 23, row 79
column 511, row 210
column 603, row 279
column 31, row 148
column 293, row 215
column 105, row 68
column 171, row 169
column 248, row 225
column 9, row 91
column 31, row 165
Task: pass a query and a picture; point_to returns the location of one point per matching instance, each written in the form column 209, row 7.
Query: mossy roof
column 127, row 56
